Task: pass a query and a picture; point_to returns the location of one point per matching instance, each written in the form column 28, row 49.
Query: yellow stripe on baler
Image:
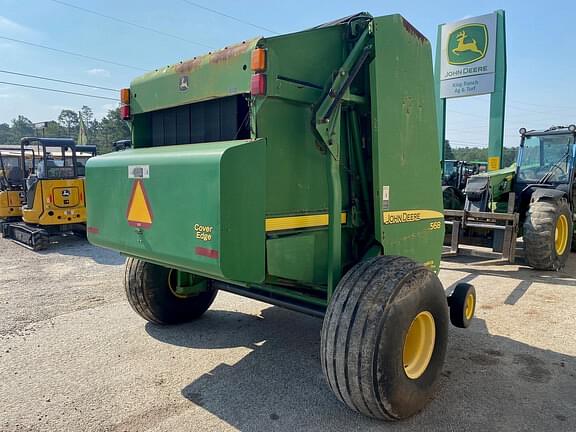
column 296, row 222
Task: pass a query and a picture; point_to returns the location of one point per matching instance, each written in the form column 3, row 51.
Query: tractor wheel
column 548, row 234
column 384, row 337
column 149, row 291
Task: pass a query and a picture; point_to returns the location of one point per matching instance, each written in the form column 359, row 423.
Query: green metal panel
column 222, row 73
column 242, row 206
column 440, row 102
column 296, row 180
column 405, row 146
column 206, row 202
column 298, row 257
column 305, row 59
column 498, row 98
column 500, row 183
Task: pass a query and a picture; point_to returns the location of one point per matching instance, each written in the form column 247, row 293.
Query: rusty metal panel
column 223, row 73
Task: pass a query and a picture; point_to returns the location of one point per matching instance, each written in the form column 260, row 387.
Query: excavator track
column 30, row 237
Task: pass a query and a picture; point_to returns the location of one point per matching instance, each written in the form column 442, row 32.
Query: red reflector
column 93, row 230
column 258, row 85
column 210, row 253
column 125, row 112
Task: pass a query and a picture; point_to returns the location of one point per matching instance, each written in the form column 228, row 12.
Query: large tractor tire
column 149, row 289
column 384, row 337
column 548, row 234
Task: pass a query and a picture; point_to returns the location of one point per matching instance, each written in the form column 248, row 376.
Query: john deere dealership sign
column 468, row 53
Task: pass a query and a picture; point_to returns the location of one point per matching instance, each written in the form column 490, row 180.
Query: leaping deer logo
column 464, row 46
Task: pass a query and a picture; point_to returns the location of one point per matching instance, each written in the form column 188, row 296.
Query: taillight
column 258, row 60
column 258, row 84
column 125, row 112
column 125, row 104
column 258, row 66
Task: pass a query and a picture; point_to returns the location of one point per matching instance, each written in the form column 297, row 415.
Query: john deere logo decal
column 183, row 83
column 467, row 44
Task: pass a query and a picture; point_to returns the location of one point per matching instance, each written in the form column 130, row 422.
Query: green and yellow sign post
column 471, row 61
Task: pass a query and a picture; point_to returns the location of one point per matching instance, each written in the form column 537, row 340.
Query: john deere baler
column 298, row 170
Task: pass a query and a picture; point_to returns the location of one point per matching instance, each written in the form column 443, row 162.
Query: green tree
column 69, row 120
column 6, row 136
column 448, row 153
column 111, row 128
column 90, row 121
column 101, row 132
column 21, row 127
column 53, row 130
column 481, row 154
column 87, row 115
column 509, row 155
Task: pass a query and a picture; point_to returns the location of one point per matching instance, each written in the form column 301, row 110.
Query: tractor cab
column 83, row 153
column 457, row 172
column 546, row 161
column 53, row 189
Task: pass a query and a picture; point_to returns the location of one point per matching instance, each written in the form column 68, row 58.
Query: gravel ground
column 74, row 357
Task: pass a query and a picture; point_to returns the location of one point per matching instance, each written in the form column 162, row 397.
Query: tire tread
column 539, row 230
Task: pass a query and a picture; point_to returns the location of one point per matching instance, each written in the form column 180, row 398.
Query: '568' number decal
column 435, row 225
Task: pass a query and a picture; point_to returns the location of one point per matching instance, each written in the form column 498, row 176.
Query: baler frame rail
column 272, row 297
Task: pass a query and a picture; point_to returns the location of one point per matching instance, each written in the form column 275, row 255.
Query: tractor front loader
column 295, row 170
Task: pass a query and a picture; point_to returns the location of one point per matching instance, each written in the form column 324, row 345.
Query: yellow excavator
column 54, row 192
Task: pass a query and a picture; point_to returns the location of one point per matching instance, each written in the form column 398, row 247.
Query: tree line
column 101, row 133
column 470, row 154
column 111, row 128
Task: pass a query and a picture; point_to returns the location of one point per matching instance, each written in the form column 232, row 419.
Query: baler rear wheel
column 548, row 234
column 462, row 304
column 149, row 293
column 384, row 337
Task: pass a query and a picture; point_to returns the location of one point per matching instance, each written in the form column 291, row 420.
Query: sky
column 541, row 51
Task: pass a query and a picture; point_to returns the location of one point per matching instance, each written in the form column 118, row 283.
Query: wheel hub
column 469, row 308
column 561, row 235
column 419, row 345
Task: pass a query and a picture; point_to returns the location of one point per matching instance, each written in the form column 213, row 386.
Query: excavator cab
column 54, row 197
column 11, row 176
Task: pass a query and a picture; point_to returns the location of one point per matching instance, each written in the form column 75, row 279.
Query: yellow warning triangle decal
column 139, row 213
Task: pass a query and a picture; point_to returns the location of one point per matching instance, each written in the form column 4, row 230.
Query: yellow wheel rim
column 561, row 235
column 469, row 308
column 419, row 345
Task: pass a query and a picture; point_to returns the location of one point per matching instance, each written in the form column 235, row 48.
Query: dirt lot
column 74, row 357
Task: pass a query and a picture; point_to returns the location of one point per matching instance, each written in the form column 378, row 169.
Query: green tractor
column 294, row 170
column 456, row 172
column 455, row 175
column 533, row 199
